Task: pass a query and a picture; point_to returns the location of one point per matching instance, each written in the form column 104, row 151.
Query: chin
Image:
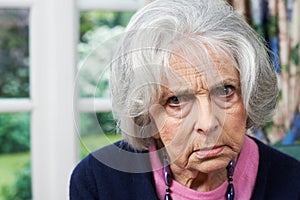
column 210, row 165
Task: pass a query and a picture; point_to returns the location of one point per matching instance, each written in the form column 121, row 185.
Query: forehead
column 209, row 70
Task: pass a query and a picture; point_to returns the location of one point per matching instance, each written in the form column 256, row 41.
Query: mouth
column 209, row 151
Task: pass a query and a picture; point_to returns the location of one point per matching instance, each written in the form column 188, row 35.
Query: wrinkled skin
column 201, row 122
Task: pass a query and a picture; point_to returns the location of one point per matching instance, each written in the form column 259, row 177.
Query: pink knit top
column 243, row 179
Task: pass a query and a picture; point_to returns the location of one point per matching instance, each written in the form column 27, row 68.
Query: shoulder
column 110, row 157
column 278, row 174
column 110, row 160
column 113, row 172
column 270, row 156
column 86, row 175
column 93, row 162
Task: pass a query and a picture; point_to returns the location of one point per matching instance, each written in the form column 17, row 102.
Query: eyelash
column 222, row 92
column 175, row 98
column 180, row 99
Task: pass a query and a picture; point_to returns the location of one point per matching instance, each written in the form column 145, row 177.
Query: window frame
column 53, row 102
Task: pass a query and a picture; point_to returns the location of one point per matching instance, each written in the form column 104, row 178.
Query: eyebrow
column 176, row 91
column 225, row 82
column 180, row 90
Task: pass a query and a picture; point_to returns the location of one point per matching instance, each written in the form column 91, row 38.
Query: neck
column 202, row 182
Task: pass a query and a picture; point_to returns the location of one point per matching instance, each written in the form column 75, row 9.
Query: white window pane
column 15, row 173
column 99, row 33
column 14, row 53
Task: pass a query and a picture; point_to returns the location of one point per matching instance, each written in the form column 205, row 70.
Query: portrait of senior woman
column 189, row 81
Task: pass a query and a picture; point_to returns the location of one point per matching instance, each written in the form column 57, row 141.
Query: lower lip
column 209, row 152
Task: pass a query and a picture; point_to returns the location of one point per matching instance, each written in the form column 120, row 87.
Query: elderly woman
column 189, row 80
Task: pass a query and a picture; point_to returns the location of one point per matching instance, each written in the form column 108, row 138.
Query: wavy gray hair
column 163, row 26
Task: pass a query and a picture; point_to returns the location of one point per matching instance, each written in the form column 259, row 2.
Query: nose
column 205, row 116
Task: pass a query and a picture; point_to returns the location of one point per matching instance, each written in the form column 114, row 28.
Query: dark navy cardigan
column 278, row 176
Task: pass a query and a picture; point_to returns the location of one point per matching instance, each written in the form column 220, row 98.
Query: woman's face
column 201, row 120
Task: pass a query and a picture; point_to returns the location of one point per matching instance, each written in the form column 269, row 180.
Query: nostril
column 206, row 128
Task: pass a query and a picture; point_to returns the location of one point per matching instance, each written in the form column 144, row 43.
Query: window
column 45, row 94
column 14, row 102
column 99, row 34
column 38, row 85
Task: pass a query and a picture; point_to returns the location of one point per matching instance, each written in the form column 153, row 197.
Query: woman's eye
column 180, row 101
column 173, row 101
column 223, row 91
column 224, row 95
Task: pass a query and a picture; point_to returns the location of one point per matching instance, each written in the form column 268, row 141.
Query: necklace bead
column 230, row 189
column 168, row 180
column 168, row 197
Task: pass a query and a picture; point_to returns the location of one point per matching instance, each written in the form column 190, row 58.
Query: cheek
column 235, row 126
column 167, row 125
column 238, row 118
column 168, row 132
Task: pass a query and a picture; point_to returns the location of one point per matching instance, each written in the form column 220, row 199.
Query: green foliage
column 14, row 53
column 21, row 189
column 295, row 55
column 10, row 164
column 259, row 29
column 90, row 20
column 284, row 68
column 14, row 133
column 107, row 122
column 90, row 143
column 97, row 123
column 99, row 32
column 88, row 125
column 272, row 26
column 94, row 58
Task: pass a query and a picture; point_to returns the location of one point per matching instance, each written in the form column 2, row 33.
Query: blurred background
column 54, row 85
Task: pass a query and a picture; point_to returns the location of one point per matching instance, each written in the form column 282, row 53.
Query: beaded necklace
column 168, row 179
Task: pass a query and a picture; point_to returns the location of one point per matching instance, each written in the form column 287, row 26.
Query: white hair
column 164, row 26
